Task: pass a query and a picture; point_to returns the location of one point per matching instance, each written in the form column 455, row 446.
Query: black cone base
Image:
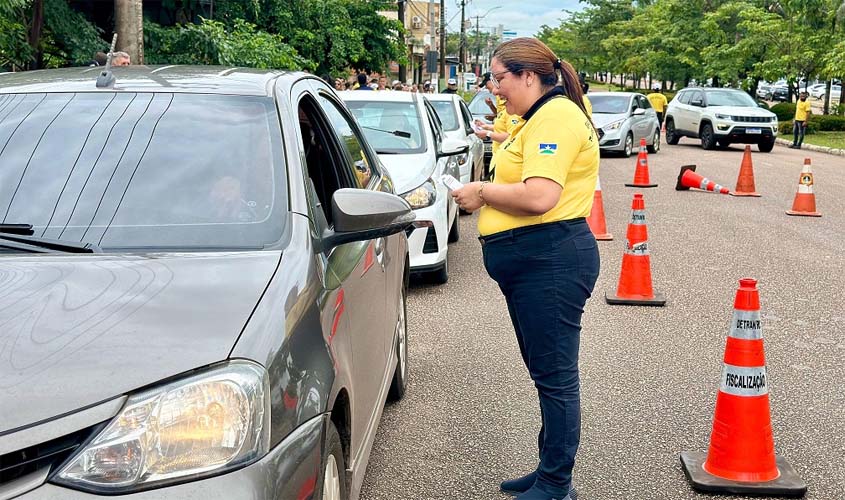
column 684, row 168
column 611, row 298
column 641, row 185
column 788, row 484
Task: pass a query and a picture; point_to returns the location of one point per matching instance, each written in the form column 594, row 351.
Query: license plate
column 754, row 131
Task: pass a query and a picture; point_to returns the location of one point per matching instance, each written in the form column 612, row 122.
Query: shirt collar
column 555, row 92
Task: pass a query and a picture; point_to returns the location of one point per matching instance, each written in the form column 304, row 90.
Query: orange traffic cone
column 641, row 179
column 634, row 287
column 596, row 219
column 690, row 179
column 741, row 458
column 805, row 200
column 745, row 181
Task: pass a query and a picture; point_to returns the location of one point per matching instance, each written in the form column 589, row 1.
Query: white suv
column 720, row 117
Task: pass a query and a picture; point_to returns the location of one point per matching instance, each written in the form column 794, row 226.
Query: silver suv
column 720, row 117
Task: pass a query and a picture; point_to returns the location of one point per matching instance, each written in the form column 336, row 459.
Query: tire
column 629, row 145
column 332, row 479
column 767, row 146
column 723, row 144
column 441, row 276
column 454, row 231
column 655, row 144
column 399, row 384
column 672, row 137
column 708, row 138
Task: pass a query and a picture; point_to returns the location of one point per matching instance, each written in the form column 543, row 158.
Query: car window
column 144, row 171
column 360, row 167
column 448, row 115
column 434, row 122
column 477, row 106
column 390, row 127
column 609, row 104
column 684, row 96
column 696, row 95
column 729, row 98
column 643, row 102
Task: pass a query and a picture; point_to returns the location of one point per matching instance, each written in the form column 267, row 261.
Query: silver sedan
column 623, row 118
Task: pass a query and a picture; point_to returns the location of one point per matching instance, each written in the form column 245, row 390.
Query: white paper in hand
column 451, row 183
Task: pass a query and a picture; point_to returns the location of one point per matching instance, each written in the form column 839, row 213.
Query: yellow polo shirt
column 588, row 105
column 802, row 110
column 504, row 122
column 658, row 101
column 557, row 143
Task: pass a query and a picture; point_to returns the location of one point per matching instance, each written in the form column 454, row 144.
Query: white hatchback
column 406, row 133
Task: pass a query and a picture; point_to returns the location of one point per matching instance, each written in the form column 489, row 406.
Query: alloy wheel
column 331, row 480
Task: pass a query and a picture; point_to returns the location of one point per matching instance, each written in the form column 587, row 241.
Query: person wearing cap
column 537, row 246
column 658, row 102
column 451, row 86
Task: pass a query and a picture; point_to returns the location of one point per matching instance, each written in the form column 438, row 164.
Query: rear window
column 143, row 171
column 447, row 114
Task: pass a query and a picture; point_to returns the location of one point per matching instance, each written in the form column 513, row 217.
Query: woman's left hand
column 468, row 198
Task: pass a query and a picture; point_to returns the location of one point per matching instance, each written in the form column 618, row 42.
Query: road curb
column 813, row 147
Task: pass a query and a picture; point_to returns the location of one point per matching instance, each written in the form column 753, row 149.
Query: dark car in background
column 780, row 93
column 203, row 275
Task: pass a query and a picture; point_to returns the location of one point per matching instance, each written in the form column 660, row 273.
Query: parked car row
column 204, row 276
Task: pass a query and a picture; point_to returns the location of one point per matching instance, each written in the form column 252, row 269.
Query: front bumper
column 611, row 140
column 290, row 470
column 427, row 246
column 747, row 134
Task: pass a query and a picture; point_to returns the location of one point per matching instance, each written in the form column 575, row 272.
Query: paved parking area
column 649, row 375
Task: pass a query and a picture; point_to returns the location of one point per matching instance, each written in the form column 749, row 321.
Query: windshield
column 381, row 120
column 447, row 114
column 478, row 107
column 729, row 98
column 143, row 171
column 609, row 104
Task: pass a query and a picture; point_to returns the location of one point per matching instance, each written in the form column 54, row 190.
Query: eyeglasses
column 495, row 78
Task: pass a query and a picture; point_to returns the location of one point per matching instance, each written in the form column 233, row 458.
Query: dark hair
column 529, row 54
column 362, row 79
column 328, row 79
column 485, row 78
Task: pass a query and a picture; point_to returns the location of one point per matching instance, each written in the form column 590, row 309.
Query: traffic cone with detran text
column 745, row 180
column 596, row 219
column 641, row 177
column 635, row 288
column 805, row 200
column 741, row 458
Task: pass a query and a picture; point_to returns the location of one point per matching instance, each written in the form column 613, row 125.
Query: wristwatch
column 489, row 134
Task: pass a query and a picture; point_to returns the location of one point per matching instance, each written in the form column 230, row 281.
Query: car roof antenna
column 105, row 80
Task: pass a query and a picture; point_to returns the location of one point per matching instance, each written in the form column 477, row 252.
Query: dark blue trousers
column 546, row 273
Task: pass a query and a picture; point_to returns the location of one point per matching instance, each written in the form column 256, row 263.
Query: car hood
column 408, row 171
column 78, row 330
column 602, row 119
column 741, row 111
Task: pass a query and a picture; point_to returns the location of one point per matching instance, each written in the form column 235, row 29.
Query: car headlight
column 615, row 125
column 422, row 196
column 720, row 116
column 201, row 425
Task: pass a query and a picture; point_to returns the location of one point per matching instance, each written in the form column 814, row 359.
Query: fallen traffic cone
column 745, row 180
column 641, row 179
column 684, row 168
column 690, row 179
column 805, row 200
column 634, row 287
column 596, row 219
column 741, row 458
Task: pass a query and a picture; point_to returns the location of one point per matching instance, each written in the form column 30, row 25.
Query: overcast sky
column 523, row 16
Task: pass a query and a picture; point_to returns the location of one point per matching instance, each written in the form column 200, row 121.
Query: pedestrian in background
column 799, row 123
column 658, row 102
column 451, row 86
column 120, row 59
column 362, row 82
column 536, row 243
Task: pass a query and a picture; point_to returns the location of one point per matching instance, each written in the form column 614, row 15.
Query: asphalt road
column 649, row 375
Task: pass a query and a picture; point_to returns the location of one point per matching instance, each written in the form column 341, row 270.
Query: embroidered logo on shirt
column 548, row 149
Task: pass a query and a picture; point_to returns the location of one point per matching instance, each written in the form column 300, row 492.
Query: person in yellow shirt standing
column 536, row 243
column 658, row 102
column 799, row 124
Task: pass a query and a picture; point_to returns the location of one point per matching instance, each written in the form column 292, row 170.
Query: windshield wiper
column 20, row 237
column 398, row 133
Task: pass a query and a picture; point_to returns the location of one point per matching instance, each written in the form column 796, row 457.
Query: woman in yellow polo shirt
column 537, row 245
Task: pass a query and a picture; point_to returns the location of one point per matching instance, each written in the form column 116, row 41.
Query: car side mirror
column 638, row 112
column 697, row 102
column 361, row 214
column 452, row 147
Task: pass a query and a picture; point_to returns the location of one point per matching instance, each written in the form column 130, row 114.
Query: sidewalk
column 813, row 147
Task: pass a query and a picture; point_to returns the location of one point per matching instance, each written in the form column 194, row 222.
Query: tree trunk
column 35, row 29
column 129, row 26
